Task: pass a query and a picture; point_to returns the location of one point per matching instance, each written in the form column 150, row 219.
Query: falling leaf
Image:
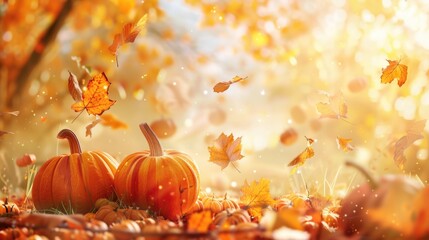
column 110, row 120
column 226, row 150
column 74, row 88
column 13, row 113
column 26, row 160
column 344, row 144
column 289, row 137
column 299, row 160
column 395, row 70
column 5, row 132
column 200, row 221
column 90, row 126
column 223, row 86
column 414, row 133
column 256, row 197
column 129, row 33
column 335, row 108
column 95, row 97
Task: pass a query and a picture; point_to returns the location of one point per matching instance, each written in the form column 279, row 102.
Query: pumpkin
column 228, row 203
column 163, row 128
column 96, row 225
column 125, row 229
column 89, row 216
column 379, row 208
column 104, row 201
column 196, row 207
column 74, row 182
column 163, row 181
column 145, row 222
column 14, row 233
column 7, row 207
column 109, row 214
column 213, row 204
column 227, row 218
column 134, row 214
column 282, row 203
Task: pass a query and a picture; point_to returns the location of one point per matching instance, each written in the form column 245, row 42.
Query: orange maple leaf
column 223, row 86
column 303, row 156
column 226, row 150
column 95, row 99
column 129, row 33
column 335, row 108
column 256, row 196
column 344, row 144
column 395, row 70
column 110, row 120
column 200, row 221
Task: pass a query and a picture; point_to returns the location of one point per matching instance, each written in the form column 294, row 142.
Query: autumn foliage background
column 295, row 54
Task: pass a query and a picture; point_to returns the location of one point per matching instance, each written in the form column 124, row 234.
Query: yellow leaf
column 95, row 99
column 303, row 156
column 200, row 221
column 344, row 144
column 256, row 197
column 336, row 107
column 129, row 33
column 226, row 150
column 223, row 86
column 395, row 70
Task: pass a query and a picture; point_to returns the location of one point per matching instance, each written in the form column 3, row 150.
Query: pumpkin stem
column 372, row 182
column 72, row 139
column 152, row 140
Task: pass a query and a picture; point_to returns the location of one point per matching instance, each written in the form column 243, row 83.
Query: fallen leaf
column 110, row 120
column 226, row 150
column 414, row 133
column 200, row 221
column 335, row 108
column 344, row 144
column 223, row 86
column 74, row 88
column 5, row 132
column 95, row 99
column 395, row 70
column 303, row 156
column 256, row 196
column 13, row 113
column 130, row 31
column 90, row 126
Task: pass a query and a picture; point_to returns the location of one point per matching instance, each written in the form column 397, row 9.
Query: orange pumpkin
column 196, row 207
column 213, row 204
column 163, row 181
column 227, row 218
column 74, row 182
column 134, row 214
column 7, row 207
column 109, row 214
column 282, row 203
column 228, row 203
column 125, row 229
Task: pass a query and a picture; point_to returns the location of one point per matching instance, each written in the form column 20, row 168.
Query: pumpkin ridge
column 89, row 159
column 38, row 191
column 134, row 179
column 184, row 172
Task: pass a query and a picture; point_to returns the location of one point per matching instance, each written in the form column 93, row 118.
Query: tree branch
column 36, row 56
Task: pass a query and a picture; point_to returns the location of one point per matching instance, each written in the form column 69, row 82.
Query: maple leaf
column 129, row 33
column 414, row 133
column 299, row 160
column 335, row 108
column 226, row 150
column 74, row 88
column 395, row 70
column 256, row 197
column 95, row 99
column 200, row 221
column 90, row 126
column 344, row 144
column 223, row 86
column 110, row 120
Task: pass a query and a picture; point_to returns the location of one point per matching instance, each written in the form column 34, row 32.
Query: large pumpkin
column 73, row 182
column 163, row 181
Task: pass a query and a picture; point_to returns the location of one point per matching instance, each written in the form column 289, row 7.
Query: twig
column 44, row 40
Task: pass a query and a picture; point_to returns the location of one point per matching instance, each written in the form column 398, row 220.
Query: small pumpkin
column 134, row 214
column 96, row 225
column 104, row 201
column 145, row 222
column 228, row 203
column 89, row 216
column 74, row 182
column 163, row 181
column 7, row 207
column 125, row 229
column 197, row 207
column 213, row 204
column 109, row 214
column 227, row 218
column 282, row 203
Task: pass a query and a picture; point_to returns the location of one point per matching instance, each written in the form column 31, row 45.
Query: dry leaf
column 226, row 150
column 414, row 133
column 200, row 221
column 110, row 120
column 223, row 86
column 395, row 70
column 5, row 132
column 335, row 108
column 90, row 126
column 303, row 156
column 256, row 197
column 95, row 97
column 129, row 33
column 13, row 113
column 344, row 144
column 74, row 88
